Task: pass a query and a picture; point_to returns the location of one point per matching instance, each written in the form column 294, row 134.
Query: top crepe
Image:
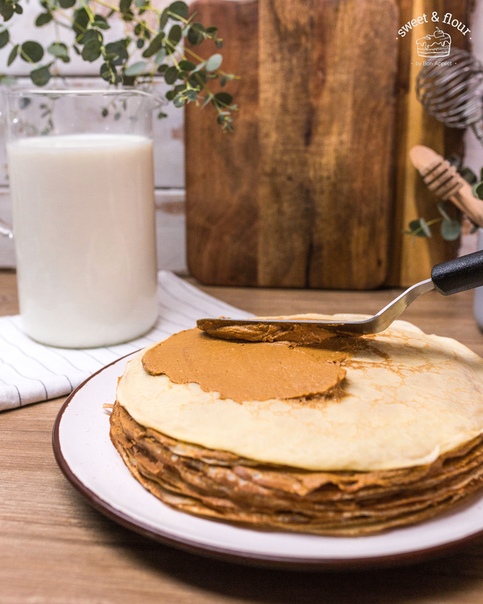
column 406, row 399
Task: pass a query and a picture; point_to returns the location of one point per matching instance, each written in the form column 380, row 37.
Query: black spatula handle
column 458, row 274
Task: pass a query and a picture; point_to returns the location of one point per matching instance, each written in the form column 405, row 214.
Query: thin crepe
column 221, row 485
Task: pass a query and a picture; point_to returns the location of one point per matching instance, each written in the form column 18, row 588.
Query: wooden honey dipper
column 444, row 181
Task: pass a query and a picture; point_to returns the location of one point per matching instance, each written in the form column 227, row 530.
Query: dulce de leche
column 246, row 371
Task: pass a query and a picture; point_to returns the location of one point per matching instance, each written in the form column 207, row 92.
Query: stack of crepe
column 348, row 436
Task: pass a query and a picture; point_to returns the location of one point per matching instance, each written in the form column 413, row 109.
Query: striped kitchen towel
column 31, row 372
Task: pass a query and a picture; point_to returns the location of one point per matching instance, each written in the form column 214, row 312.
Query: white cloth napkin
column 31, row 372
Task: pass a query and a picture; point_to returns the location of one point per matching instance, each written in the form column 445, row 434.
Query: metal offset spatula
column 451, row 277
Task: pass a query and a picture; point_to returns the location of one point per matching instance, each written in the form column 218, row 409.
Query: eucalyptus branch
column 450, row 229
column 144, row 53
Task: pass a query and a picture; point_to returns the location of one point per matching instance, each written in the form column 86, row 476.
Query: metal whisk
column 452, row 91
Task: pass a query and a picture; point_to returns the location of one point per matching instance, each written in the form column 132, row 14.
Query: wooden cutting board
column 301, row 194
column 222, row 169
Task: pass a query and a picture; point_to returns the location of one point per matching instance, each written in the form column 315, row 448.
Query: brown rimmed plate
column 87, row 458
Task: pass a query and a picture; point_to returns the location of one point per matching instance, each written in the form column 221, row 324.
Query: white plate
column 85, row 454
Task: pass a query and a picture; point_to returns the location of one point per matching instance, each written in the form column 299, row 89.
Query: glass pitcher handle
column 5, row 230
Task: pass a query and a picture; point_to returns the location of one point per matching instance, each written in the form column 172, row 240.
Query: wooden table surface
column 55, row 548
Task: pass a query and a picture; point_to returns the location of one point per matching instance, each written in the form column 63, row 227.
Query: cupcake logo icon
column 434, row 46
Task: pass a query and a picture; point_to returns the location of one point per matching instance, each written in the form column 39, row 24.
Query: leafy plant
column 450, row 229
column 155, row 44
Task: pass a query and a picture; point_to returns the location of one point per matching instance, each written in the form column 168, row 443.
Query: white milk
column 83, row 221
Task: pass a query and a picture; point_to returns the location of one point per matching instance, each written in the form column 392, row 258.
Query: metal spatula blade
column 451, row 277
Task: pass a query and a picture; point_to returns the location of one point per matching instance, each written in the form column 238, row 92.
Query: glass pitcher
column 80, row 165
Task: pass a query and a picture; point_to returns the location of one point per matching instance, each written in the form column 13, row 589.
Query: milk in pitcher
column 81, row 205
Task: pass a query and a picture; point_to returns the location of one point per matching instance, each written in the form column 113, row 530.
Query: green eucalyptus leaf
column 478, row 189
column 43, row 19
column 179, row 101
column 128, row 17
column 81, row 21
column 187, row 65
column 60, row 51
column 171, row 75
column 160, row 56
column 175, row 34
column 40, row 76
column 109, row 73
column 13, row 55
column 4, row 37
column 154, row 46
column 31, row 51
column 420, row 228
column 141, row 30
column 89, row 35
column 136, row 68
column 7, row 11
column 178, row 11
column 125, row 6
column 66, row 3
column 92, row 50
column 192, row 95
column 106, row 73
column 226, row 99
column 197, row 81
column 163, row 19
column 195, row 34
column 117, row 51
column 101, row 23
column 214, row 62
column 450, row 230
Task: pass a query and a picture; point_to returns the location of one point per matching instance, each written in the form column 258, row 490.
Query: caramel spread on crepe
column 408, row 397
column 244, row 371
